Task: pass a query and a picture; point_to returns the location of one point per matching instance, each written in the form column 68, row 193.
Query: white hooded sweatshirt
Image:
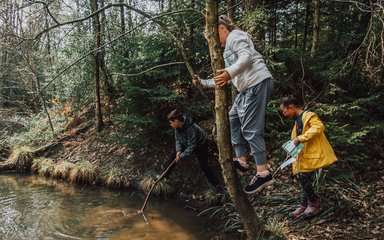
column 243, row 63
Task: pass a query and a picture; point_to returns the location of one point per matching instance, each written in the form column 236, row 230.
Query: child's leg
column 237, row 139
column 202, row 157
column 308, row 193
column 303, row 198
column 313, row 203
column 252, row 111
column 252, row 127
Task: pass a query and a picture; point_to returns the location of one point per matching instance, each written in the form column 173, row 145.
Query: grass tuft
column 277, row 228
column 62, row 169
column 46, row 168
column 116, row 178
column 36, row 163
column 213, row 197
column 163, row 188
column 42, row 166
column 84, row 172
column 22, row 158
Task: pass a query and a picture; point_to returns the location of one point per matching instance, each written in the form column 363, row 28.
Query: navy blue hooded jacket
column 189, row 137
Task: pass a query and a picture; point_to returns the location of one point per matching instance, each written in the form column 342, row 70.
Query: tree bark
column 307, row 13
column 122, row 17
column 316, row 27
column 253, row 227
column 231, row 10
column 96, row 74
column 107, row 78
column 296, row 23
column 231, row 15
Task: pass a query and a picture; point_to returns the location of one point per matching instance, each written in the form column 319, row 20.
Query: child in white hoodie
column 245, row 68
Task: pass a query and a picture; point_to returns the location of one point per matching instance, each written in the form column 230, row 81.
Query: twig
column 153, row 186
column 149, row 69
column 98, row 12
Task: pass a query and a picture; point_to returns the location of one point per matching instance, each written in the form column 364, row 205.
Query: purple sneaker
column 312, row 210
column 298, row 212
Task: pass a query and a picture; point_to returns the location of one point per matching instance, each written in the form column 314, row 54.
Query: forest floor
column 353, row 203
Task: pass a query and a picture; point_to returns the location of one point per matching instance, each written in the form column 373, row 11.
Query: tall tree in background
column 307, row 13
column 251, row 6
column 96, row 73
column 122, row 17
column 253, row 227
column 107, row 78
column 316, row 27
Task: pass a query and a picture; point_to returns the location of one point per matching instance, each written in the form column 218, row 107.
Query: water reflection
column 38, row 208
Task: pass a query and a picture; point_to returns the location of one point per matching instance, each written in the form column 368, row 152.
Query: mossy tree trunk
column 96, row 73
column 253, row 227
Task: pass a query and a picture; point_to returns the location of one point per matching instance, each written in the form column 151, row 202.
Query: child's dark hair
column 291, row 100
column 175, row 115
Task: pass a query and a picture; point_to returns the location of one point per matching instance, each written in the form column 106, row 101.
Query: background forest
column 122, row 65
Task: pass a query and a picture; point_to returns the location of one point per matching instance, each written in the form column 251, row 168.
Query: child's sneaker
column 241, row 167
column 312, row 210
column 258, row 183
column 298, row 212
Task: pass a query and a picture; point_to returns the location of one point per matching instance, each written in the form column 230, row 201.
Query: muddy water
column 38, row 208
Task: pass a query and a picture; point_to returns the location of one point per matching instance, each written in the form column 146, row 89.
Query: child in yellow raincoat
column 317, row 153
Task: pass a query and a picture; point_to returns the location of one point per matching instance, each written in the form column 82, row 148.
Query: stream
column 33, row 207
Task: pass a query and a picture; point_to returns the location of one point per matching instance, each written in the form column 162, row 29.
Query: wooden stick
column 153, row 186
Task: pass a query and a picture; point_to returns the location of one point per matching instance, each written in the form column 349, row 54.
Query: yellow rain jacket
column 317, row 152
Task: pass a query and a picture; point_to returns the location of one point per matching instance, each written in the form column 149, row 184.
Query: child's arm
column 208, row 83
column 316, row 127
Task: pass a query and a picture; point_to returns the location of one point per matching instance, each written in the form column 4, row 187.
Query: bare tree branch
column 149, row 69
column 104, row 45
column 46, row 6
column 101, row 10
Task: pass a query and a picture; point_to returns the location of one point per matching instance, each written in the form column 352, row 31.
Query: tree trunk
column 296, row 22
column 43, row 100
column 96, row 74
column 122, row 17
column 231, row 10
column 274, row 27
column 231, row 15
column 107, row 78
column 307, row 12
column 250, row 5
column 253, row 227
column 316, row 27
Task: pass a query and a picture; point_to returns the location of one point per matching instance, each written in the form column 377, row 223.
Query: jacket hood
column 238, row 33
column 187, row 122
